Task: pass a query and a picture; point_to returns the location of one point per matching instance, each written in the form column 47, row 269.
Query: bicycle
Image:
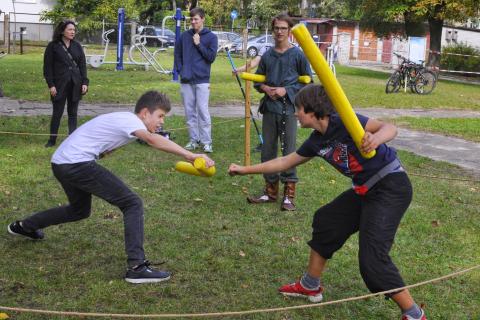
column 412, row 75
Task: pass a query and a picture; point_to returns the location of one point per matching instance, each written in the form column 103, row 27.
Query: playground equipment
column 332, row 87
column 139, row 42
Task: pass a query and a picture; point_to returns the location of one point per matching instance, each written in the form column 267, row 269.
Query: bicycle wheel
column 394, row 82
column 425, row 82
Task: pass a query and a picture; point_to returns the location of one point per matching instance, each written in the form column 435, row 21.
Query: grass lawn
column 465, row 128
column 225, row 255
column 21, row 77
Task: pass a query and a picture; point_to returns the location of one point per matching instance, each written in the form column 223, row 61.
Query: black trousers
column 79, row 182
column 376, row 217
column 58, row 108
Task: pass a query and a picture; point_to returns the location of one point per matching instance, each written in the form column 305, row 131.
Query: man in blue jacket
column 194, row 53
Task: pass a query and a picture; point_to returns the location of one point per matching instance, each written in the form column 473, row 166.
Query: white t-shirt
column 102, row 134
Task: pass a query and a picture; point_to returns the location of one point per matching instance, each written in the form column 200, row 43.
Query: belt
column 394, row 166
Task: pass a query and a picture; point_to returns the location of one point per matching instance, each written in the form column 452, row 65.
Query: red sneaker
column 423, row 317
column 296, row 290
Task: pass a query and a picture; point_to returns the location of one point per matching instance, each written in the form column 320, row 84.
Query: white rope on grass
column 234, row 313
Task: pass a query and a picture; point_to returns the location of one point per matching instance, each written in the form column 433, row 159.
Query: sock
column 309, row 282
column 414, row 312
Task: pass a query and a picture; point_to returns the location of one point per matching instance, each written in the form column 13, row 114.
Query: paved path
column 465, row 154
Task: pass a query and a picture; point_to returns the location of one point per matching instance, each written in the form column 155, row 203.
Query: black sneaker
column 17, row 230
column 144, row 274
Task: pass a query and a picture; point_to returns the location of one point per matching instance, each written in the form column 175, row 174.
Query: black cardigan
column 58, row 68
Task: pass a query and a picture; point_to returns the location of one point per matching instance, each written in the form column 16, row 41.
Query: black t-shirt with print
column 337, row 148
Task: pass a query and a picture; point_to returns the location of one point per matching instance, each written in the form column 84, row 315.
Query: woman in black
column 65, row 71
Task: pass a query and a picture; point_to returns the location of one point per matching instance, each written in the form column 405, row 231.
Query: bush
column 460, row 63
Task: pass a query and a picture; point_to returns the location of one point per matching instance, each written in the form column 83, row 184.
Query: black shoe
column 49, row 144
column 144, row 274
column 17, row 230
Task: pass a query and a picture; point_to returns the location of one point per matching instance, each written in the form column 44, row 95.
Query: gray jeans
column 272, row 132
column 80, row 181
column 195, row 101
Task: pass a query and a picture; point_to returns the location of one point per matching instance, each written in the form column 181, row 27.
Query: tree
column 90, row 13
column 379, row 13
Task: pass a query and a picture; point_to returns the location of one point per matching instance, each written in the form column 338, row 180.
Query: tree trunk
column 435, row 26
column 174, row 6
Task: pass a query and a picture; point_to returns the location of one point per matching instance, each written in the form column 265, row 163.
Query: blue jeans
column 82, row 180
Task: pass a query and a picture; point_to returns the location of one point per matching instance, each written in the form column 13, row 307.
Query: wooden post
column 247, row 108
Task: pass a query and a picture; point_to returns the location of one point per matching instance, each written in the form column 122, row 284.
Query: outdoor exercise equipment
column 244, row 97
column 2, row 54
column 138, row 43
column 189, row 168
column 331, row 85
column 178, row 18
column 261, row 78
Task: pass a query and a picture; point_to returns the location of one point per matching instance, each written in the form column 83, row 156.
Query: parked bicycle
column 412, row 75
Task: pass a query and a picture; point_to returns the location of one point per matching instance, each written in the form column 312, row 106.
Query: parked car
column 226, row 39
column 237, row 45
column 256, row 44
column 159, row 37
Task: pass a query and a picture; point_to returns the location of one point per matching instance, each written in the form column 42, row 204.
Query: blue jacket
column 193, row 62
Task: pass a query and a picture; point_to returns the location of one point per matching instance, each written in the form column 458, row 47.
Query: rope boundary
column 236, row 313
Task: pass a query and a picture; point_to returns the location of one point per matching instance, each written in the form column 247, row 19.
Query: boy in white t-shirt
column 75, row 167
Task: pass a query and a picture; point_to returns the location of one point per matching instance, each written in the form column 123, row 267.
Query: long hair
column 58, row 32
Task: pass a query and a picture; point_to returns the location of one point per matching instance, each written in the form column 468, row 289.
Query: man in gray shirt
column 282, row 65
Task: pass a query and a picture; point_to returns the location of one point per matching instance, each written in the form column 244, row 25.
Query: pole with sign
column 233, row 15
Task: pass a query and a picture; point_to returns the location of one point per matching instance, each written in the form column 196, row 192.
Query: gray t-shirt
column 102, row 134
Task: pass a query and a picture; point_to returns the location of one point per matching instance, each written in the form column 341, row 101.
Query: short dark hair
column 61, row 26
column 153, row 100
column 197, row 11
column 283, row 17
column 314, row 98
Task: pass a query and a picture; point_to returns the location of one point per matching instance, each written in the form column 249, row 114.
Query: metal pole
column 121, row 22
column 178, row 23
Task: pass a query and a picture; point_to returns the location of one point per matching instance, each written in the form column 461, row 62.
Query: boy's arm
column 161, row 143
column 251, row 64
column 272, row 166
column 376, row 133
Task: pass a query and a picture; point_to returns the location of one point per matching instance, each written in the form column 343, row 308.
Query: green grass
column 466, row 128
column 225, row 255
column 22, row 78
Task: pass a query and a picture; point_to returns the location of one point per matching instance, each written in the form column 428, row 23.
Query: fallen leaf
column 197, row 199
column 244, row 286
column 332, row 181
column 245, row 190
column 435, row 223
column 241, row 253
column 3, row 316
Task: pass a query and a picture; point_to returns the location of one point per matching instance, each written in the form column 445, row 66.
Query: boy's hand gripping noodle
column 331, row 85
column 198, row 168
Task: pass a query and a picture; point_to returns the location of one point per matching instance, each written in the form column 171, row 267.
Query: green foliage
column 471, row 62
column 90, row 13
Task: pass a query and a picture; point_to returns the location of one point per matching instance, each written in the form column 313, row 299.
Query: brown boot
column 288, row 195
column 270, row 194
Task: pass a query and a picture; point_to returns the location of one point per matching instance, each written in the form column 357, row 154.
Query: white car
column 225, row 39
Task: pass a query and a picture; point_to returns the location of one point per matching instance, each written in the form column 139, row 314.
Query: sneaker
column 49, row 144
column 422, row 317
column 192, row 145
column 144, row 274
column 208, row 148
column 296, row 290
column 16, row 229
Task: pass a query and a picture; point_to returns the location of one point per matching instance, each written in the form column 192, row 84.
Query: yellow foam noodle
column 188, row 168
column 201, row 165
column 305, row 79
column 253, row 77
column 261, row 78
column 331, row 85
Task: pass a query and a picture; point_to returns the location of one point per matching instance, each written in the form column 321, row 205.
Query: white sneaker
column 208, row 148
column 192, row 145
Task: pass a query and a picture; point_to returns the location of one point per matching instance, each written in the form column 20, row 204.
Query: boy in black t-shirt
column 374, row 206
